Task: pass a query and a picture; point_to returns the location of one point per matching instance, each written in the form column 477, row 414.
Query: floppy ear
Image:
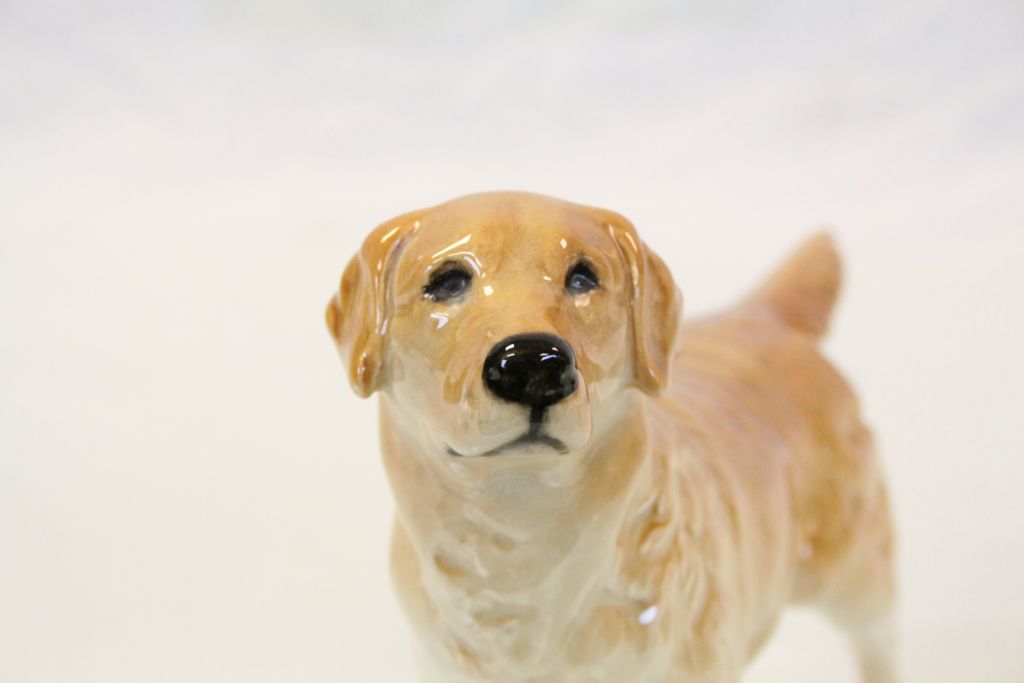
column 357, row 316
column 656, row 306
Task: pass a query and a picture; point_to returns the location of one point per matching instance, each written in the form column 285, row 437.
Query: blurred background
column 189, row 492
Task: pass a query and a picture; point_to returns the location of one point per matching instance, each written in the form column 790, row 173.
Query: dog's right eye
column 447, row 285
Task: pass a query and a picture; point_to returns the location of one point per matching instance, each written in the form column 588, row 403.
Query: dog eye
column 447, row 285
column 580, row 279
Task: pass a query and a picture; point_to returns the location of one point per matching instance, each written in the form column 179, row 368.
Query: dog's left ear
column 655, row 311
column 357, row 316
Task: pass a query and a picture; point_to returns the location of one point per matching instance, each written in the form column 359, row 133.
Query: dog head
column 505, row 323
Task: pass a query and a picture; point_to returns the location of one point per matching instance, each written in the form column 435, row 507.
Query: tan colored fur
column 715, row 473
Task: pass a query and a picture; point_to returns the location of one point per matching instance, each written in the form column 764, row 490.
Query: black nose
column 535, row 370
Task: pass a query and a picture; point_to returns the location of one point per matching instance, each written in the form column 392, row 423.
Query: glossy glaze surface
column 649, row 500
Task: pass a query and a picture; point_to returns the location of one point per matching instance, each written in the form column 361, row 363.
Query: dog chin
column 545, row 441
column 524, row 445
column 563, row 429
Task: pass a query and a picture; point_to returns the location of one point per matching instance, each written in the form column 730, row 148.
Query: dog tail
column 803, row 290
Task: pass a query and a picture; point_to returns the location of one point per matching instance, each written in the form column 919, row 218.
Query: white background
column 189, row 492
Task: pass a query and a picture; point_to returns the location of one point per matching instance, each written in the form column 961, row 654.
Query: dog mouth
column 535, row 436
column 519, row 443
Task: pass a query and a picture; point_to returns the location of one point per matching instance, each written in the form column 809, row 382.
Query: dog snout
column 535, row 370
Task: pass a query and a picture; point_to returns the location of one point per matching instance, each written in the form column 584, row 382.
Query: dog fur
column 714, row 472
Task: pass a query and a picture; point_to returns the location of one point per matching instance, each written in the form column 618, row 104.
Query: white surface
column 188, row 490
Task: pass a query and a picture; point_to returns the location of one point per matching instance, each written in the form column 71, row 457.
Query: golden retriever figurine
column 586, row 491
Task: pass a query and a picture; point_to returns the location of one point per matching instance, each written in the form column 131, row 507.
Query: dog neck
column 511, row 561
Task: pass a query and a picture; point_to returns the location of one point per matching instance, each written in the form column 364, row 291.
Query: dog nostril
column 535, row 370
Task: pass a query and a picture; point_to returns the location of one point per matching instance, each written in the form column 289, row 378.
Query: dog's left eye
column 580, row 279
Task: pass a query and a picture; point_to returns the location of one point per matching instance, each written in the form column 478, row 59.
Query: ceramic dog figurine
column 587, row 491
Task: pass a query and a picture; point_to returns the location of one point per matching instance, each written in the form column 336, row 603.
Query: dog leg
column 875, row 646
column 872, row 633
column 861, row 599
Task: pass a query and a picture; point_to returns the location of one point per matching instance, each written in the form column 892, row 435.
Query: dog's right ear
column 357, row 316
